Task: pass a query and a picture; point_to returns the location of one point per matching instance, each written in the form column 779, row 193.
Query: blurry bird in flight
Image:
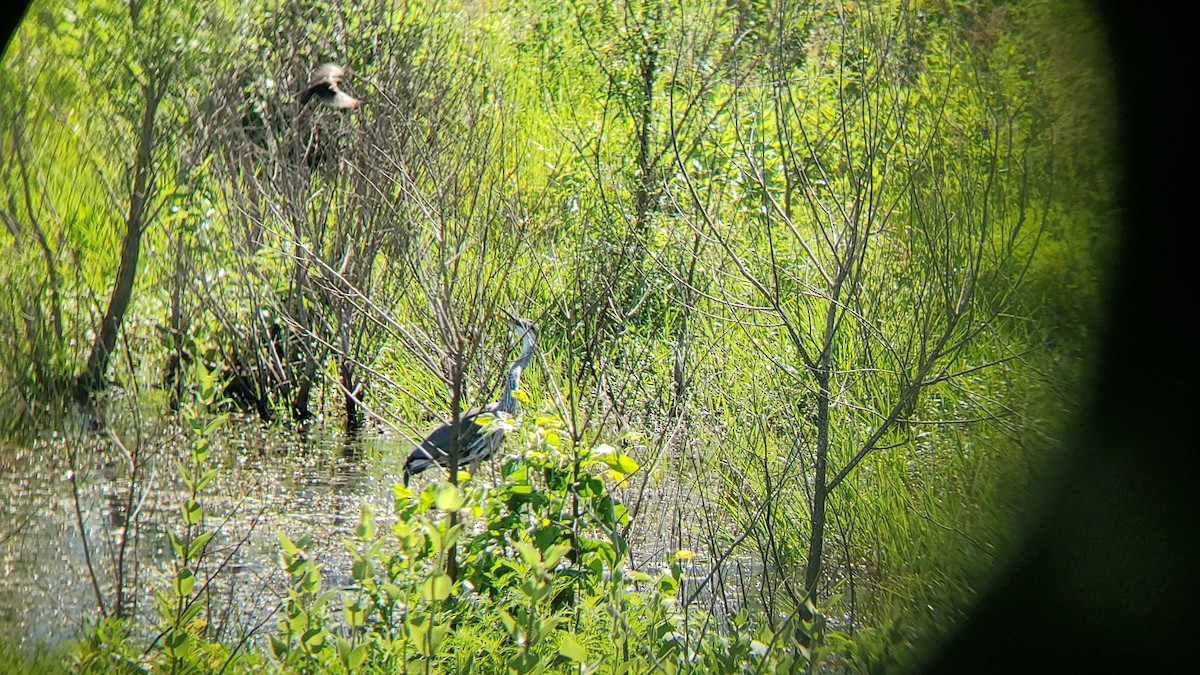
column 325, row 85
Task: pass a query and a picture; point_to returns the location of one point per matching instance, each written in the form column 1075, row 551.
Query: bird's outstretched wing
column 325, row 85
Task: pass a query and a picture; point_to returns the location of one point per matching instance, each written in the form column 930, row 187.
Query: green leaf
column 556, row 552
column 175, row 544
column 192, row 512
column 546, row 536
column 451, row 536
column 278, row 647
column 572, row 650
column 354, row 613
column 528, row 552
column 534, row 588
column 216, row 422
column 510, row 624
column 435, row 538
column 194, row 421
column 593, row 487
column 189, row 612
column 184, row 475
column 288, row 546
column 620, row 514
column 197, row 544
column 361, row 571
column 667, row 585
column 450, row 498
column 206, row 479
column 184, row 581
column 438, row 633
column 427, row 497
column 402, row 493
column 525, row 662
column 418, row 633
column 356, row 658
column 544, row 627
column 621, row 463
column 177, row 643
column 366, row 525
column 436, row 588
column 321, row 600
column 313, row 639
column 310, row 582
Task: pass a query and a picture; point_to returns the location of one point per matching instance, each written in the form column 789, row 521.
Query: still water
column 270, row 480
column 121, row 484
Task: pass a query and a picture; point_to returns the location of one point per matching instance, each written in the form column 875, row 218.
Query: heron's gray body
column 476, row 444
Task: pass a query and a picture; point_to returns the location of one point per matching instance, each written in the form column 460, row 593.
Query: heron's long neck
column 511, row 381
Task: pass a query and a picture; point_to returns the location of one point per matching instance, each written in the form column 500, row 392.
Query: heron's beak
column 512, row 320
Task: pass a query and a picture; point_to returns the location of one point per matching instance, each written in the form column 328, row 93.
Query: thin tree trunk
column 823, row 372
column 816, row 537
column 353, row 388
column 93, row 375
column 456, row 407
column 174, row 376
column 645, row 183
column 300, row 404
column 43, row 242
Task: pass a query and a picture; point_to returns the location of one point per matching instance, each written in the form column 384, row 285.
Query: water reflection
column 310, row 480
column 124, row 488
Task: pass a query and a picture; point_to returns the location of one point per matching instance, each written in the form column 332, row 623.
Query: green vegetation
column 815, row 283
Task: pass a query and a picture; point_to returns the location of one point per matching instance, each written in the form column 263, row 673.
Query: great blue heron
column 475, row 443
column 325, row 84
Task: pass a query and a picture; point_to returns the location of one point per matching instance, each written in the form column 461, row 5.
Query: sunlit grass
column 708, row 208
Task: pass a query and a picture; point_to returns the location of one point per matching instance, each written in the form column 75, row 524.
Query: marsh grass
column 824, row 272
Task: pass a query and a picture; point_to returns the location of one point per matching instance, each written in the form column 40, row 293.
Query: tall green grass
column 656, row 341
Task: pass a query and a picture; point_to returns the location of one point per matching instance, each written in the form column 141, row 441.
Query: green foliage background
column 663, row 186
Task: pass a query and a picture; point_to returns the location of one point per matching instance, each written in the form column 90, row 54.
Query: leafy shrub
column 525, row 576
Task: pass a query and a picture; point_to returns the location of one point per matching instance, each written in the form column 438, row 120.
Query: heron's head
column 522, row 328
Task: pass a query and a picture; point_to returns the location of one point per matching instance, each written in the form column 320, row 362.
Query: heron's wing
column 328, row 94
column 309, row 91
column 325, row 84
column 437, row 443
column 341, row 100
column 435, row 448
